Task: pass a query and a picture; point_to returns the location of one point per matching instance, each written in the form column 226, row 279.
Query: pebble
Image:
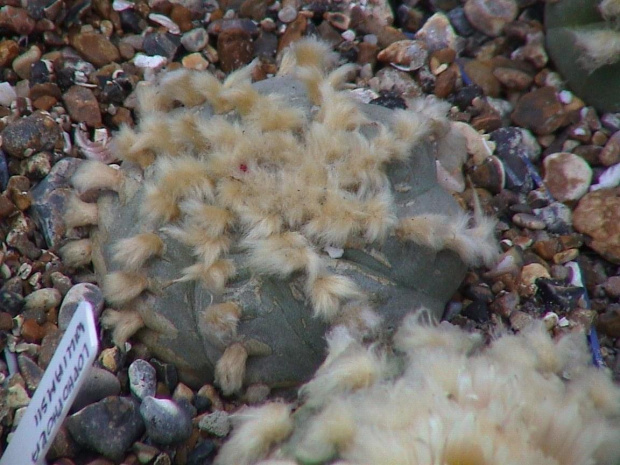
column 30, row 371
column 109, row 426
column 144, row 452
column 235, row 49
column 7, row 94
column 17, row 396
column 9, row 49
column 557, row 217
column 31, row 331
column 49, row 198
column 612, row 286
column 406, row 55
column 490, row 16
column 42, row 299
column 597, row 216
column 80, row 292
column 529, row 274
column 111, row 359
column 48, row 347
column 216, row 423
column 195, row 40
column 142, row 379
column 17, row 20
column 610, row 155
column 513, row 79
column 83, row 106
column 23, row 63
column 202, row 452
column 480, row 72
column 609, row 322
column 98, row 385
column 525, row 220
column 161, row 44
column 95, row 48
column 165, row 421
column 567, row 176
column 437, row 34
column 393, row 80
column 195, row 61
column 540, row 110
column 26, row 136
column 490, row 174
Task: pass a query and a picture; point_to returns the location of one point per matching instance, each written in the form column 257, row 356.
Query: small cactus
column 248, row 218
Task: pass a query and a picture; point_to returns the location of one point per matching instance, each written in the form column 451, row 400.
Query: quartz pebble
column 567, row 176
column 165, row 421
column 142, row 379
column 490, row 16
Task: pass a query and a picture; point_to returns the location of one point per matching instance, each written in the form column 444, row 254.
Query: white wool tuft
column 124, row 324
column 230, row 368
column 256, row 430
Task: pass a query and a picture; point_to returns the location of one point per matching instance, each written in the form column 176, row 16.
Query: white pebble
column 348, row 35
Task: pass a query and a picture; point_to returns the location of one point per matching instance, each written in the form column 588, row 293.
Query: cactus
column 442, row 397
column 248, row 218
column 583, row 41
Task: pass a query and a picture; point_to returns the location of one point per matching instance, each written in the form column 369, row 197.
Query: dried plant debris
column 248, row 182
column 443, row 397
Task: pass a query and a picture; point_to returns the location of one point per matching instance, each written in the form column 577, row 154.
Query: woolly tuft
column 256, row 430
column 523, row 399
column 77, row 253
column 230, row 368
column 120, row 287
column 79, row 213
column 94, row 175
column 328, row 291
column 133, row 252
column 599, row 47
column 124, row 324
column 219, row 322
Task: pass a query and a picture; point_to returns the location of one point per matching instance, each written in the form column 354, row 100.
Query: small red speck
column 243, row 167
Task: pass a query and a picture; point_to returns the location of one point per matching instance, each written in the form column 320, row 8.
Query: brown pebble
column 16, row 20
column 82, row 106
column 195, row 61
column 95, row 48
column 294, row 32
column 8, row 52
column 505, row 304
column 610, row 155
column 597, row 215
column 565, row 256
column 32, row 331
column 444, row 85
column 529, row 274
column 513, row 78
column 407, row 55
column 44, row 103
column 6, row 321
column 7, row 207
column 547, row 248
column 255, row 9
column 235, row 49
column 567, row 176
column 540, row 111
column 612, row 287
column 23, row 63
column 525, row 220
column 481, row 73
column 182, row 17
column 520, row 320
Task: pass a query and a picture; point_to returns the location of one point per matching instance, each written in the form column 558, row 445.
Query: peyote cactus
column 583, row 40
column 247, row 218
column 442, row 397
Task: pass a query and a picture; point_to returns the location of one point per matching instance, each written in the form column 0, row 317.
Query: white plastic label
column 54, row 395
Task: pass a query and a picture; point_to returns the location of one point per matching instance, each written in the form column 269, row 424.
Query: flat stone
column 95, row 48
column 109, row 426
column 567, row 176
column 98, row 385
column 597, row 216
column 407, row 55
column 165, row 421
column 490, row 16
column 83, row 106
column 80, row 292
column 42, row 299
column 513, row 78
column 35, row 133
column 437, row 34
column 30, row 371
column 540, row 110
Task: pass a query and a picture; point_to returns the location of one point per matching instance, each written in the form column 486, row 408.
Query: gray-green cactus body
column 598, row 84
column 284, row 341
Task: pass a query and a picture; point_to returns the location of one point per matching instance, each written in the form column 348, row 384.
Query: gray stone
column 80, row 292
column 165, row 421
column 216, row 423
column 109, row 426
column 98, row 385
column 142, row 379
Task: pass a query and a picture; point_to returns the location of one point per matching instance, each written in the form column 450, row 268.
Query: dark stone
column 11, row 302
column 165, row 421
column 464, row 96
column 478, row 311
column 80, row 292
column 202, row 454
column 108, row 427
column 35, row 133
column 389, row 100
column 459, row 22
column 98, row 385
column 4, row 171
column 131, row 21
column 557, row 294
column 162, row 43
column 235, row 49
column 30, row 371
column 202, row 403
column 513, row 155
column 39, row 73
column 166, row 373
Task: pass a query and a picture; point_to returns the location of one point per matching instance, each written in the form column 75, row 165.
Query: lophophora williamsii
column 248, row 218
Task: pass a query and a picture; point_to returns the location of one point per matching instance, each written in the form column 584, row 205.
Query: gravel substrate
column 542, row 162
